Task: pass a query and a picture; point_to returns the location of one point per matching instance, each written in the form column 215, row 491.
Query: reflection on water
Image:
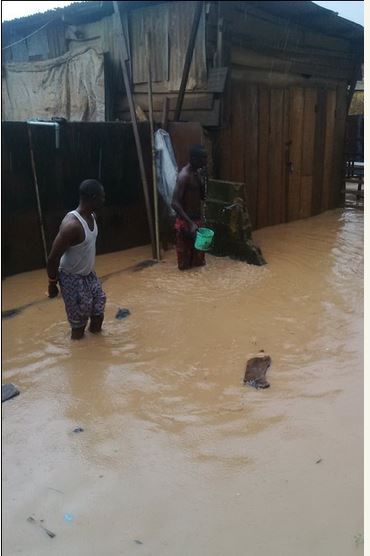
column 161, row 401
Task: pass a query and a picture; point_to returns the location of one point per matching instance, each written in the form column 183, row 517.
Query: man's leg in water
column 183, row 251
column 198, row 258
column 98, row 305
column 77, row 333
column 96, row 324
column 77, row 302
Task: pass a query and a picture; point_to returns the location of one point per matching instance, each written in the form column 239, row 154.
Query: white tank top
column 80, row 258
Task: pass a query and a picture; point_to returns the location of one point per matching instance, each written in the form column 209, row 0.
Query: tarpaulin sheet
column 71, row 86
column 166, row 167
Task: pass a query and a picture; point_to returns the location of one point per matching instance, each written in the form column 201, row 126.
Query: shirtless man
column 71, row 263
column 187, row 201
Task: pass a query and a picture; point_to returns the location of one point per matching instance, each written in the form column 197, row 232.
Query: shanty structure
column 270, row 82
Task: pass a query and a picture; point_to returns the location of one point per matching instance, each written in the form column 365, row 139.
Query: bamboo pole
column 188, row 59
column 154, row 168
column 123, row 54
column 35, row 181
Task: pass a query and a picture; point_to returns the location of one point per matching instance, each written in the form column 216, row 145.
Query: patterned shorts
column 83, row 297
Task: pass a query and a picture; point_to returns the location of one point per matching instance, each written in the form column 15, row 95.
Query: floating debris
column 256, row 369
column 8, row 391
column 47, row 531
column 144, row 264
column 122, row 313
column 78, row 429
column 68, row 517
column 138, row 542
column 319, row 460
column 10, row 313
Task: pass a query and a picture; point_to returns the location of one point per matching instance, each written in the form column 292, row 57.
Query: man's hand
column 53, row 290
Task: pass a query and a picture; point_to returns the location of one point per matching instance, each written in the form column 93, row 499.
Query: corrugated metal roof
column 311, row 15
column 303, row 13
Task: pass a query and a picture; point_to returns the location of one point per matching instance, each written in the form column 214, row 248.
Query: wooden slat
column 255, row 56
column 318, row 152
column 276, row 185
column 206, row 118
column 273, row 78
column 152, row 20
column 237, row 132
column 192, row 101
column 286, row 149
column 251, row 150
column 337, row 198
column 217, row 80
column 329, row 146
column 310, row 98
column 295, row 136
column 263, row 150
column 224, row 153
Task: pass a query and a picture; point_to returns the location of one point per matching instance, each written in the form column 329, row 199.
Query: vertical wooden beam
column 308, row 161
column 276, row 158
column 337, row 196
column 123, row 53
column 295, row 135
column 263, row 150
column 220, row 25
column 188, row 59
column 318, row 171
column 36, row 184
column 154, row 168
column 329, row 149
column 165, row 109
column 249, row 117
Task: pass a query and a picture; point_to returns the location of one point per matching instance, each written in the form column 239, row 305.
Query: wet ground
column 177, row 456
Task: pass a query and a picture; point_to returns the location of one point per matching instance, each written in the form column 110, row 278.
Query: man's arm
column 177, row 202
column 68, row 233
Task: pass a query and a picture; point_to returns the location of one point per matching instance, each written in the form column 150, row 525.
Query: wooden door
column 285, row 144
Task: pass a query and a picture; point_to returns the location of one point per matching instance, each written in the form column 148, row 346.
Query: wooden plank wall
column 285, row 144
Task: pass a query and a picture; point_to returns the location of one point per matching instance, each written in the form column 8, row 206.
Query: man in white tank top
column 72, row 259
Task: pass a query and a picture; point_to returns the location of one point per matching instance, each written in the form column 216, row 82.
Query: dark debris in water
column 8, row 391
column 138, row 542
column 144, row 264
column 123, row 313
column 78, row 429
column 10, row 313
column 47, row 531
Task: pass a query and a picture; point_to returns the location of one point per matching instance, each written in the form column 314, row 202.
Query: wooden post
column 356, row 74
column 154, row 168
column 35, row 181
column 188, row 59
column 123, row 53
column 220, row 24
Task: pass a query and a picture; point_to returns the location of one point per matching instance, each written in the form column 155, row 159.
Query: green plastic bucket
column 203, row 239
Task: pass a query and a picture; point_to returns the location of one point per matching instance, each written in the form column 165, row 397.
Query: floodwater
column 176, row 453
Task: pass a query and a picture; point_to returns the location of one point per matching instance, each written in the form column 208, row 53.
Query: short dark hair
column 90, row 189
column 197, row 152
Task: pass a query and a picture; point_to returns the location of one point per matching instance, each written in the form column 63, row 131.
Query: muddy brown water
column 176, row 452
